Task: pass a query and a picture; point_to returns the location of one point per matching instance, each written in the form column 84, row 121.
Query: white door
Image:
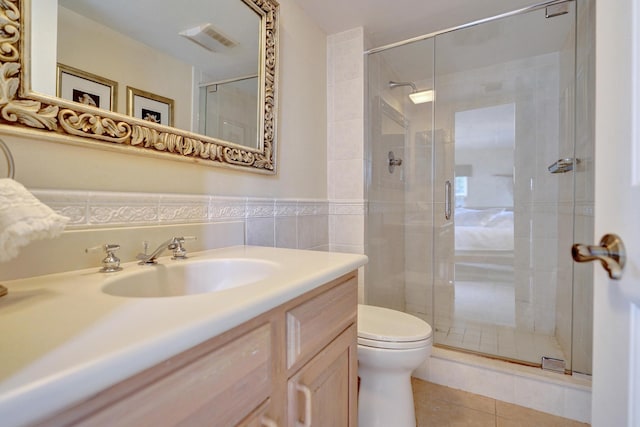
column 616, row 353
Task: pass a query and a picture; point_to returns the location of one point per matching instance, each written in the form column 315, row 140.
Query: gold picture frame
column 86, row 88
column 149, row 106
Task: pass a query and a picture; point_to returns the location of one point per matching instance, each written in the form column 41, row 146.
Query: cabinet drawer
column 316, row 322
column 218, row 389
column 259, row 418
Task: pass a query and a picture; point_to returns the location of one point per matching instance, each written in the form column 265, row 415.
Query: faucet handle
column 110, row 262
column 179, row 252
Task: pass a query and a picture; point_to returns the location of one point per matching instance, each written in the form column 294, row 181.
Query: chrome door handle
column 611, row 253
column 447, row 200
column 563, row 165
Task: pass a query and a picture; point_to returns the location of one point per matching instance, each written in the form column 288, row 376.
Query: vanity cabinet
column 322, row 359
column 295, row 365
column 322, row 392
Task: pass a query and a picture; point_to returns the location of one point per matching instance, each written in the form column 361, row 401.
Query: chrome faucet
column 110, row 262
column 173, row 244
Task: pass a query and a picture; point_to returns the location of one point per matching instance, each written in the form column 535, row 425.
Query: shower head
column 416, row 97
column 393, row 84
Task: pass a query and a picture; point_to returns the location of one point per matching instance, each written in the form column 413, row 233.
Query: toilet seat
column 384, row 328
column 393, row 345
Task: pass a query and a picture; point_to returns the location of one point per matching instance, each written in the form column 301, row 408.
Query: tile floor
column 439, row 406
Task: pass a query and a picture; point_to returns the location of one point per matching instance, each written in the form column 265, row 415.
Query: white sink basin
column 189, row 278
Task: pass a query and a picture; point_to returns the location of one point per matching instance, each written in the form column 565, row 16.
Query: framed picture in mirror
column 150, row 107
column 86, row 88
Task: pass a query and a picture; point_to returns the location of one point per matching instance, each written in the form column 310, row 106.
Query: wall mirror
column 193, row 80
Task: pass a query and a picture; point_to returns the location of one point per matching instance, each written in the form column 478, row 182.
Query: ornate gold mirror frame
column 21, row 108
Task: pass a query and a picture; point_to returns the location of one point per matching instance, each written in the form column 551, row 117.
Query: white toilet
column 391, row 344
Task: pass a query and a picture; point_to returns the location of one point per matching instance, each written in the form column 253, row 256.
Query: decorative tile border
column 227, row 208
column 182, row 208
column 260, row 208
column 306, row 207
column 348, row 207
column 286, row 208
column 70, row 204
column 87, row 209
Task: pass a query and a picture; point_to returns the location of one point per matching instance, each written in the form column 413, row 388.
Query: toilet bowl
column 391, row 344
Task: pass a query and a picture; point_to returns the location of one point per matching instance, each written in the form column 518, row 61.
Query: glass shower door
column 504, row 120
column 228, row 111
column 400, row 203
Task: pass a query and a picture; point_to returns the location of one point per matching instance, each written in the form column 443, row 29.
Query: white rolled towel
column 23, row 219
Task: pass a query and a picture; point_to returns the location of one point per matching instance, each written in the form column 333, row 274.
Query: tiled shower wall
column 346, row 157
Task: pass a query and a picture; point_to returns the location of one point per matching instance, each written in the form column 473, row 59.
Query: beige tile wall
column 129, row 218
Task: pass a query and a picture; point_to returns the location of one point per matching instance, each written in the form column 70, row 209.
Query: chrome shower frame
column 467, row 25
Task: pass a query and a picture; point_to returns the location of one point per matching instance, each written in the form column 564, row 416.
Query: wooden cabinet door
column 323, row 392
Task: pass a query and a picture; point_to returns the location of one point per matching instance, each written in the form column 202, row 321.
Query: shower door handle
column 447, row 199
column 611, row 254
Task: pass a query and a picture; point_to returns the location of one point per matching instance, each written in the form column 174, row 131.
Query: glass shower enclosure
column 472, row 229
column 227, row 110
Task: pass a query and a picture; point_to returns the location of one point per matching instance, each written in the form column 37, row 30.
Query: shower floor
column 481, row 318
column 501, row 341
column 485, row 302
column 485, row 322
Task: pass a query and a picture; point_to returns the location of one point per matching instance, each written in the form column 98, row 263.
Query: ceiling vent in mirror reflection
column 208, row 37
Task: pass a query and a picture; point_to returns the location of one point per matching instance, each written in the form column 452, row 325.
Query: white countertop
column 62, row 339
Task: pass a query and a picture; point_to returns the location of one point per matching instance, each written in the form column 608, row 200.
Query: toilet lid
column 392, row 326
